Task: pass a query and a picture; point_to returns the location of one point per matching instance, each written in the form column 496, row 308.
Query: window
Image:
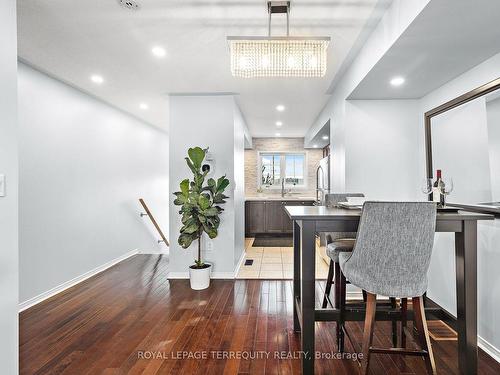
column 277, row 166
column 270, row 169
column 294, row 169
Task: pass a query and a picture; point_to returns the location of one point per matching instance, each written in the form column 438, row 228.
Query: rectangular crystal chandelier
column 255, row 56
column 278, row 56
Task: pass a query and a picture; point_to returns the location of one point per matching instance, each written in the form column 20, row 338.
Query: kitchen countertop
column 278, row 197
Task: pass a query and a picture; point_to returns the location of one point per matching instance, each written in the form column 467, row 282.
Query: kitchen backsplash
column 280, row 145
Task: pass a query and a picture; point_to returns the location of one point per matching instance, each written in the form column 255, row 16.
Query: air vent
column 129, row 4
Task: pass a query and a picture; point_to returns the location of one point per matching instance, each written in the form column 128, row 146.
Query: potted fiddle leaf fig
column 200, row 209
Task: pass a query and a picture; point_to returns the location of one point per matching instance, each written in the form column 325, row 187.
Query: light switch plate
column 2, row 185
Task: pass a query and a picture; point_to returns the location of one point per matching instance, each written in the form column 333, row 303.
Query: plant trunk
column 199, row 249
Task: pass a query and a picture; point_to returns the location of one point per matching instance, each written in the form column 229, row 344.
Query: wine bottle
column 438, row 189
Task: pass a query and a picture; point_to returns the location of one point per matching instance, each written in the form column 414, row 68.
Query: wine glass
column 426, row 186
column 447, row 188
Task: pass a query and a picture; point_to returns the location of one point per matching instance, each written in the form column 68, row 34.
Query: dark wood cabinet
column 269, row 216
column 255, row 217
column 274, row 217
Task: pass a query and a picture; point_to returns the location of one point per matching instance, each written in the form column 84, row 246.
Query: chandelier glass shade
column 253, row 57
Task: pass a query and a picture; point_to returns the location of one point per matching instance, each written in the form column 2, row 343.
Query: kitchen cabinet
column 274, row 217
column 255, row 217
column 269, row 216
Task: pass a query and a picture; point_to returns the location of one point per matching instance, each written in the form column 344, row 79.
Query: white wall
column 379, row 134
column 442, row 269
column 240, row 136
column 83, row 166
column 8, row 204
column 493, row 118
column 208, row 121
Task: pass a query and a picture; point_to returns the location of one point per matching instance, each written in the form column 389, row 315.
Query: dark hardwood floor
column 131, row 320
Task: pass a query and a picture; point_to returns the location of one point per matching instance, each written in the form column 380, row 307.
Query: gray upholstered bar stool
column 391, row 257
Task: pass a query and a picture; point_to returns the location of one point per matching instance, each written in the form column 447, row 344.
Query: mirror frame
column 458, row 101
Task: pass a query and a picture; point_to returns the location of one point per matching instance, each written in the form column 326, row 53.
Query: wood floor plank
column 130, row 319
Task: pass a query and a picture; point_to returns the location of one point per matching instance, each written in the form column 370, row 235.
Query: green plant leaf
column 212, row 211
column 185, row 187
column 190, row 229
column 212, row 233
column 191, row 166
column 222, row 184
column 204, row 201
column 196, row 154
column 185, row 240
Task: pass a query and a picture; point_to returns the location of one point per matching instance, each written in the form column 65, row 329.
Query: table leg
column 307, row 295
column 296, row 273
column 466, row 271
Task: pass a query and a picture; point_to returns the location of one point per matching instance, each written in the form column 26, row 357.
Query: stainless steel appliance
column 322, row 180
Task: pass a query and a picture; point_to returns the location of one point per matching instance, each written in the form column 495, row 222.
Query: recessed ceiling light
column 279, row 123
column 315, row 146
column 144, row 106
column 325, row 137
column 158, row 51
column 280, row 107
column 397, row 81
column 277, row 134
column 96, row 79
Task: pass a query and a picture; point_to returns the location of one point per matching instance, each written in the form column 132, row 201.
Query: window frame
column 282, row 155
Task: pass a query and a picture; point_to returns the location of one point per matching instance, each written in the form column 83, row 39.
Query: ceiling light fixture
column 158, row 51
column 279, row 123
column 144, row 106
column 277, row 134
column 96, row 79
column 325, row 137
column 397, row 81
column 280, row 107
column 284, row 56
column 129, row 4
column 315, row 146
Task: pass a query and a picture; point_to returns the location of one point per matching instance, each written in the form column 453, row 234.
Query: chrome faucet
column 283, row 190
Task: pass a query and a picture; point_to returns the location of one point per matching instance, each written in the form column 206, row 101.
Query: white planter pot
column 200, row 277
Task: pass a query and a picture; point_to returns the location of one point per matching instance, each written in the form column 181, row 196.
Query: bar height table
column 309, row 220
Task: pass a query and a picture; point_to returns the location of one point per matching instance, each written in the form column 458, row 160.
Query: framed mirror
column 463, row 140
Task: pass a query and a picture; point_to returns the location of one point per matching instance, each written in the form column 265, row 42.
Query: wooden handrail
column 151, row 217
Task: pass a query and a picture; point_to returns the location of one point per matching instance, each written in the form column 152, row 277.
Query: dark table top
column 327, row 213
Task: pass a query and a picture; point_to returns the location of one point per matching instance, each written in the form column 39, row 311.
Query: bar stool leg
column 423, row 333
column 328, row 287
column 404, row 309
column 394, row 324
column 371, row 306
column 337, row 300
column 343, row 283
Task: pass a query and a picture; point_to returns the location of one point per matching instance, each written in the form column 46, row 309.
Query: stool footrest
column 403, row 351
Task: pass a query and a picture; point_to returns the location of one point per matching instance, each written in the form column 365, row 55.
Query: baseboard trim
column 489, row 349
column 240, row 263
column 451, row 320
column 68, row 284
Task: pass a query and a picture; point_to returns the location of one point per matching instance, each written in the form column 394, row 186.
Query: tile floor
column 274, row 263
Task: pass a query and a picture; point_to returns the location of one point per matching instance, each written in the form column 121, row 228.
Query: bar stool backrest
column 393, row 248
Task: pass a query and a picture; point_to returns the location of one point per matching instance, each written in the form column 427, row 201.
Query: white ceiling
column 446, row 39
column 73, row 39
